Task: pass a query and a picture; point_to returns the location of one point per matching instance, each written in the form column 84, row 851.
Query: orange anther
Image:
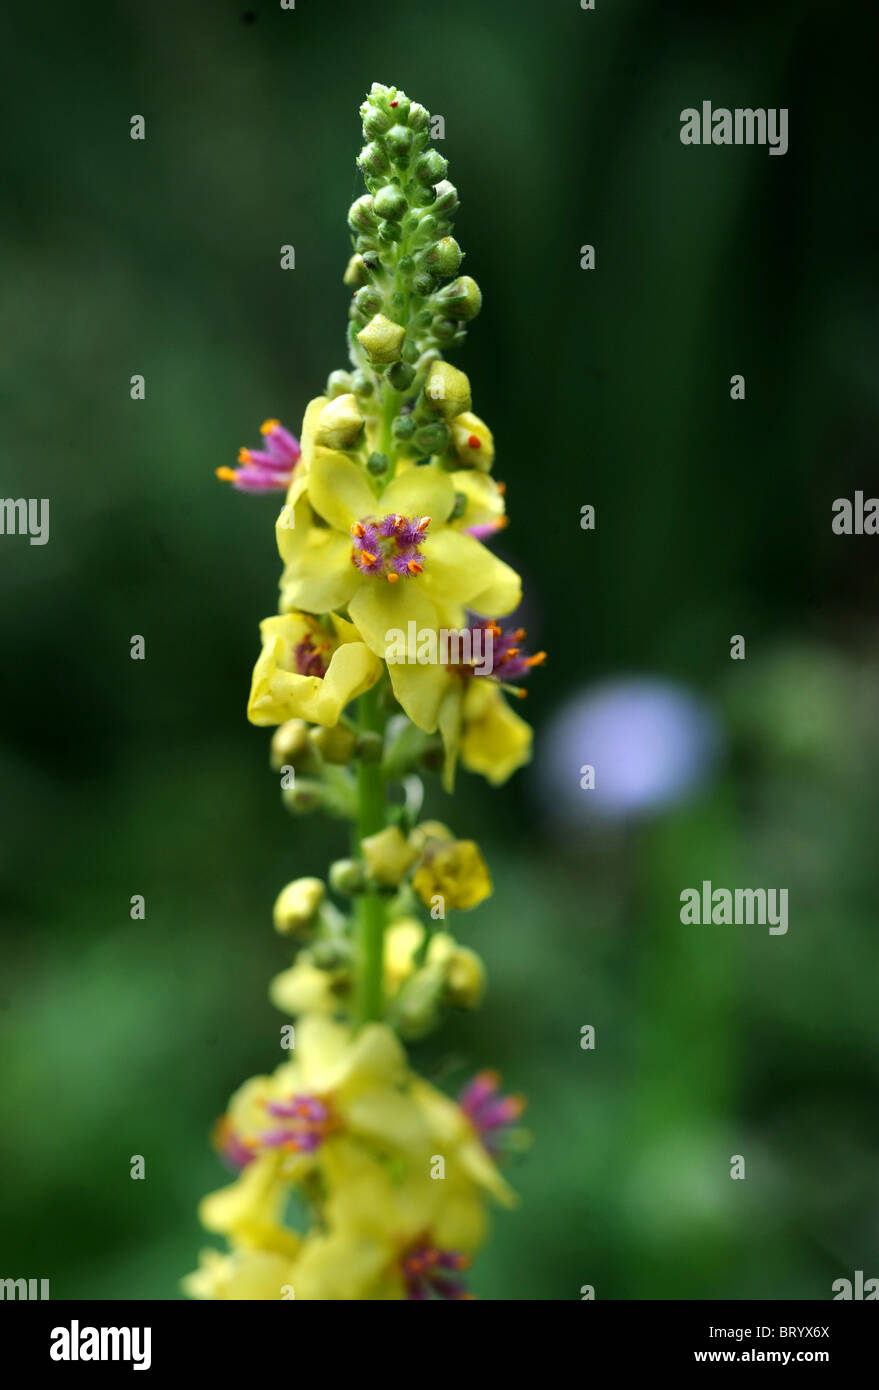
column 268, row 425
column 392, row 578
column 227, row 474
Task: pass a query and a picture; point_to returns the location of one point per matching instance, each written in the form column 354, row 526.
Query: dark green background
column 608, row 387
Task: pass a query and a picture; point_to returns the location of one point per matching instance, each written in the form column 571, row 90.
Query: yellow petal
column 338, row 489
column 423, row 491
column 322, row 577
column 379, row 609
column 458, row 568
column 420, row 691
column 496, row 741
column 353, row 669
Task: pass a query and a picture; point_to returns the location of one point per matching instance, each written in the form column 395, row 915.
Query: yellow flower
column 307, row 671
column 390, row 558
column 249, row 1210
column 473, row 441
column 303, row 988
column 392, row 1233
column 335, row 1085
column 297, row 905
column 453, row 1133
column 242, row 1275
column 454, row 871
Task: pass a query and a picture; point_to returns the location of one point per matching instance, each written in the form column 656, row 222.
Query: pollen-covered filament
column 389, row 548
column 308, row 1121
column 429, row 1272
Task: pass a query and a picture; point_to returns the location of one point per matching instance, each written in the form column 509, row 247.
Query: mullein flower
column 388, row 508
column 265, row 470
column 309, row 671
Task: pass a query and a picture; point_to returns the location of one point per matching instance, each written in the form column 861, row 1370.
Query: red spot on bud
column 395, row 103
column 474, row 443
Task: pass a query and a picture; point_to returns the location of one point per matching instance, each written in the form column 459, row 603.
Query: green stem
column 369, row 989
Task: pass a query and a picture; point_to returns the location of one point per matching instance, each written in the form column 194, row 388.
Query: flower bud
column 387, row 855
column 409, row 353
column 332, row 953
column 403, row 427
column 399, row 141
column 361, row 216
column 401, row 375
column 304, row 796
column 429, row 830
column 335, row 744
column 390, row 203
column 338, row 383
column 431, row 167
column 347, row 877
column 473, row 441
column 462, row 299
column 297, row 905
column 401, row 106
column 433, row 438
column 418, row 116
column 417, row 1005
column 390, row 232
column 444, row 256
column 361, row 384
column 340, row 423
column 369, row 300
column 444, row 330
column 375, row 121
column 377, row 464
column 373, row 161
column 355, row 272
column 446, row 198
column 447, row 390
column 423, row 283
column 383, row 340
column 465, row 978
column 289, row 743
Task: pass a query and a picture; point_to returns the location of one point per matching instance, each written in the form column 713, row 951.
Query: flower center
column 309, row 658
column 233, row 1151
column 427, row 1272
column 390, row 548
column 307, row 1122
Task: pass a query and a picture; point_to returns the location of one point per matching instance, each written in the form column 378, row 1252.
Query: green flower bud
column 423, row 283
column 431, row 167
column 388, row 856
column 347, row 876
column 297, row 905
column 390, row 202
column 375, row 121
column 401, row 375
column 401, row 106
column 331, row 954
column 433, row 438
column 361, row 216
column 417, row 1005
column 338, row 383
column 355, row 272
column 390, row 231
column 446, row 198
column 370, row 745
column 462, row 299
column 369, row 300
column 340, row 423
column 361, row 384
column 336, row 744
column 444, row 331
column 289, row 743
column 306, row 795
column 444, row 256
column 377, row 464
column 410, row 352
column 403, row 427
column 399, row 141
column 418, row 116
column 447, row 390
column 382, row 340
column 373, row 161
column 428, row 227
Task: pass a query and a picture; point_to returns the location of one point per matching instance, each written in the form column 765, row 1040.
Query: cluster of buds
column 410, row 303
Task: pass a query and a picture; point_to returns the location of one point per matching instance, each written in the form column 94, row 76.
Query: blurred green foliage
column 608, row 387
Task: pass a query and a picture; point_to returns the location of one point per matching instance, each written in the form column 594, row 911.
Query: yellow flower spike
column 297, row 905
column 454, row 871
column 339, row 424
column 388, row 856
column 473, row 441
column 447, row 390
column 305, row 671
column 381, row 339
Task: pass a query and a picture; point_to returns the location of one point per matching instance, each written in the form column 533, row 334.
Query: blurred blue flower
column 650, row 742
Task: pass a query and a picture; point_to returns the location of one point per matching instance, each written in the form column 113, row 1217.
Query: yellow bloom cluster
column 387, row 659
